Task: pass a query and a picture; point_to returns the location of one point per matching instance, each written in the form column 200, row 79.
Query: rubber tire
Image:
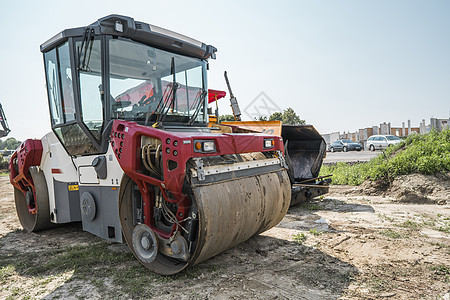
column 345, row 149
column 372, row 148
column 40, row 220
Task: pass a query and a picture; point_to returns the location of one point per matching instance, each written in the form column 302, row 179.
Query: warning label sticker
column 73, row 187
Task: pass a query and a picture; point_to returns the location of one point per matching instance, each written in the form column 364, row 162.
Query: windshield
column 141, row 78
column 392, row 138
column 347, row 141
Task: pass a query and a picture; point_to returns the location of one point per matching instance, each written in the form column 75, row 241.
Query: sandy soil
column 414, row 188
column 344, row 245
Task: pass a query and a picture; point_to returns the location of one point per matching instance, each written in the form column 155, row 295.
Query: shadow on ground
column 303, row 216
column 262, row 267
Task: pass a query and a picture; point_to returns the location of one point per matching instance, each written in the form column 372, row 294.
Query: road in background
column 351, row 156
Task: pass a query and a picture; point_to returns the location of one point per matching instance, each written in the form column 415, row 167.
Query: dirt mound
column 372, row 188
column 413, row 188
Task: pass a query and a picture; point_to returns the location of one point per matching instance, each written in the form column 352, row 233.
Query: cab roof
column 123, row 26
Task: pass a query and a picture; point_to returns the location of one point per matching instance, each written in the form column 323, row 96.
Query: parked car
column 345, row 145
column 379, row 142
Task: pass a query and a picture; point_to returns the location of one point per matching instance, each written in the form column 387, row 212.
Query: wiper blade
column 164, row 104
column 86, row 46
column 163, row 110
column 200, row 100
column 171, row 102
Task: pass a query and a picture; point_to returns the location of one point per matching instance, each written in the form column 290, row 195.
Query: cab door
column 76, row 123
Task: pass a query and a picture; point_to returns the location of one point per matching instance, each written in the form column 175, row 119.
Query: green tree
column 291, row 118
column 288, row 117
column 261, row 118
column 3, row 163
column 226, row 118
column 10, row 144
column 276, row 116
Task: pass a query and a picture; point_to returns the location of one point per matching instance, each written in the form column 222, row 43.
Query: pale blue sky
column 342, row 65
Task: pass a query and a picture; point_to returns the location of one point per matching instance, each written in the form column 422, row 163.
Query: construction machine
column 304, row 147
column 4, row 130
column 131, row 156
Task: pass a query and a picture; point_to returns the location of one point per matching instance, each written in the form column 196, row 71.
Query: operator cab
column 118, row 68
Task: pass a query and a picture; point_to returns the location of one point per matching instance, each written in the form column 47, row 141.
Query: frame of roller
column 131, row 154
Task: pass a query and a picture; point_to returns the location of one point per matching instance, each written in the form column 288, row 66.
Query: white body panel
column 58, row 165
column 114, row 171
column 54, row 157
column 87, row 175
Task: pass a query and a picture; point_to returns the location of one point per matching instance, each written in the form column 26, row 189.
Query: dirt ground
column 346, row 245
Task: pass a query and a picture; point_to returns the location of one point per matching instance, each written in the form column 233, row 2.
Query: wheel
column 345, row 149
column 331, row 149
column 132, row 230
column 372, row 148
column 41, row 219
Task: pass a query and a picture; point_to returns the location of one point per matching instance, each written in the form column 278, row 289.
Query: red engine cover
column 177, row 147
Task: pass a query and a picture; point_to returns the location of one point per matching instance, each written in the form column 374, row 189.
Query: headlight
column 209, row 146
column 268, row 143
column 204, row 146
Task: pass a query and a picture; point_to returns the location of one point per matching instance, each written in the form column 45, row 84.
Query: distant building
column 361, row 135
column 385, row 129
column 331, row 137
column 439, row 124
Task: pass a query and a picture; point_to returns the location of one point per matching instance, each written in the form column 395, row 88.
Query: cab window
column 53, row 90
column 60, row 88
column 65, row 72
column 91, row 93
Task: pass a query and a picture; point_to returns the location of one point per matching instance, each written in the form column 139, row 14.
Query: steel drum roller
column 229, row 213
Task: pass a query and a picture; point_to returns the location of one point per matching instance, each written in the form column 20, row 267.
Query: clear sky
column 341, row 65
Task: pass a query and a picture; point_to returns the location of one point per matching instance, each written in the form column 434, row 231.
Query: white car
column 379, row 142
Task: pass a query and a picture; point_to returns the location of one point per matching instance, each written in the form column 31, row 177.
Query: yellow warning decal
column 73, row 187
